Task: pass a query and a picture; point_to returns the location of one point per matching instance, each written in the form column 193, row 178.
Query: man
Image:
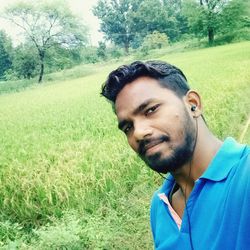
column 204, row 203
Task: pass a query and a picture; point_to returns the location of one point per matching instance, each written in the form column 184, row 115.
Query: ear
column 193, row 103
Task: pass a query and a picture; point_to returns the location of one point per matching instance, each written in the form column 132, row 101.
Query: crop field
column 68, row 179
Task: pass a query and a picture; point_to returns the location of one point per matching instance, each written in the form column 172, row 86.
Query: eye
column 151, row 109
column 127, row 129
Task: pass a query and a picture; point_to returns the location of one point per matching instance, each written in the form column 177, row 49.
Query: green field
column 68, row 178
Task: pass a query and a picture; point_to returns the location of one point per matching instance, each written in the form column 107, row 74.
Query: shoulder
column 240, row 178
column 244, row 163
column 236, row 155
column 244, row 158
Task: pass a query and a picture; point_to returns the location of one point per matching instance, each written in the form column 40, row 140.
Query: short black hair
column 168, row 76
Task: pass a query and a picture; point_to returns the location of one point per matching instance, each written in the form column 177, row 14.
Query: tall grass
column 67, row 176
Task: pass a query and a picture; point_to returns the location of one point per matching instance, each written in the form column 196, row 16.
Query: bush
column 115, row 52
column 102, row 51
column 236, row 36
column 25, row 62
column 89, row 55
column 155, row 40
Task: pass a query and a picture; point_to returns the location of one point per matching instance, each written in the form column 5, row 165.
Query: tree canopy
column 208, row 17
column 116, row 21
column 46, row 25
column 127, row 22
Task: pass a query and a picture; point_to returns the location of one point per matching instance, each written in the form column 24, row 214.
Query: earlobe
column 193, row 101
column 193, row 108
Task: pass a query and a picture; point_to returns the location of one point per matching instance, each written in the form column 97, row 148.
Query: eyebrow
column 139, row 109
column 142, row 106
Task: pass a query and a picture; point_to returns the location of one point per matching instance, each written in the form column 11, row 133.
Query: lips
column 149, row 147
column 152, row 144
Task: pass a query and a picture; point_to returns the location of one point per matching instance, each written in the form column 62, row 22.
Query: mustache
column 145, row 144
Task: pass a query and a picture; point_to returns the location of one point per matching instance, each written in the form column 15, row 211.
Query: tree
column 162, row 16
column 45, row 25
column 211, row 9
column 5, row 53
column 233, row 16
column 208, row 17
column 128, row 22
column 116, row 23
column 175, row 13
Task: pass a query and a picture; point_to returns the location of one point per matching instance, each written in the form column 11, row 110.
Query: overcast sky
column 81, row 8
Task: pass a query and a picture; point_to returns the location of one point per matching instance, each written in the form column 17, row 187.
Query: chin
column 166, row 164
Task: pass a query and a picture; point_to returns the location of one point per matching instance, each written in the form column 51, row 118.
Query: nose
column 141, row 131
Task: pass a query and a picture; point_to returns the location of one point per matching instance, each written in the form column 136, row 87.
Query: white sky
column 81, row 8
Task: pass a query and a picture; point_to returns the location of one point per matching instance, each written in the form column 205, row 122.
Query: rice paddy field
column 68, row 179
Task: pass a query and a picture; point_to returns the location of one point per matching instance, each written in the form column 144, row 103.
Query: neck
column 205, row 149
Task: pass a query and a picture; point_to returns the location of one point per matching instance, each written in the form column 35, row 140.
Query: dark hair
column 168, row 76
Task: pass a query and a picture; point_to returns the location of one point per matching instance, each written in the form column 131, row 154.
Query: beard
column 180, row 154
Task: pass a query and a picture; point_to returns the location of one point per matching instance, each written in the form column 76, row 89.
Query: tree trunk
column 210, row 35
column 126, row 47
column 41, row 54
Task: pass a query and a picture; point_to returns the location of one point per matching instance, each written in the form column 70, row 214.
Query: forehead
column 139, row 91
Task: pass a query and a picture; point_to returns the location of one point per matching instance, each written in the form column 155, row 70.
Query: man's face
column 157, row 124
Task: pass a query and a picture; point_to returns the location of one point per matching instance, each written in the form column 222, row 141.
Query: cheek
column 177, row 118
column 132, row 144
column 170, row 123
column 174, row 126
column 181, row 135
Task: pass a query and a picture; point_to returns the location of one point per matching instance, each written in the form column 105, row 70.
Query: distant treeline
column 128, row 22
column 56, row 39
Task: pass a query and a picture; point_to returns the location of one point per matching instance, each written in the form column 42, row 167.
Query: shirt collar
column 227, row 156
column 225, row 159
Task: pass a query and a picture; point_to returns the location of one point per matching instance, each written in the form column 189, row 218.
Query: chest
column 213, row 213
column 178, row 203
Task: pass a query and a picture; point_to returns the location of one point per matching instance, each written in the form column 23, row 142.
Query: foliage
column 60, row 58
column 89, row 55
column 232, row 18
column 127, row 22
column 25, row 62
column 5, row 54
column 115, row 52
column 116, row 22
column 101, row 51
column 162, row 16
column 61, row 152
column 45, row 25
column 211, row 17
column 156, row 40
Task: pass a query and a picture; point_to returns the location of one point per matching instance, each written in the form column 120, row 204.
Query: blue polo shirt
column 218, row 206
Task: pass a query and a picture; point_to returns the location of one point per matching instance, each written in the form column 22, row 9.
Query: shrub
column 155, row 40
